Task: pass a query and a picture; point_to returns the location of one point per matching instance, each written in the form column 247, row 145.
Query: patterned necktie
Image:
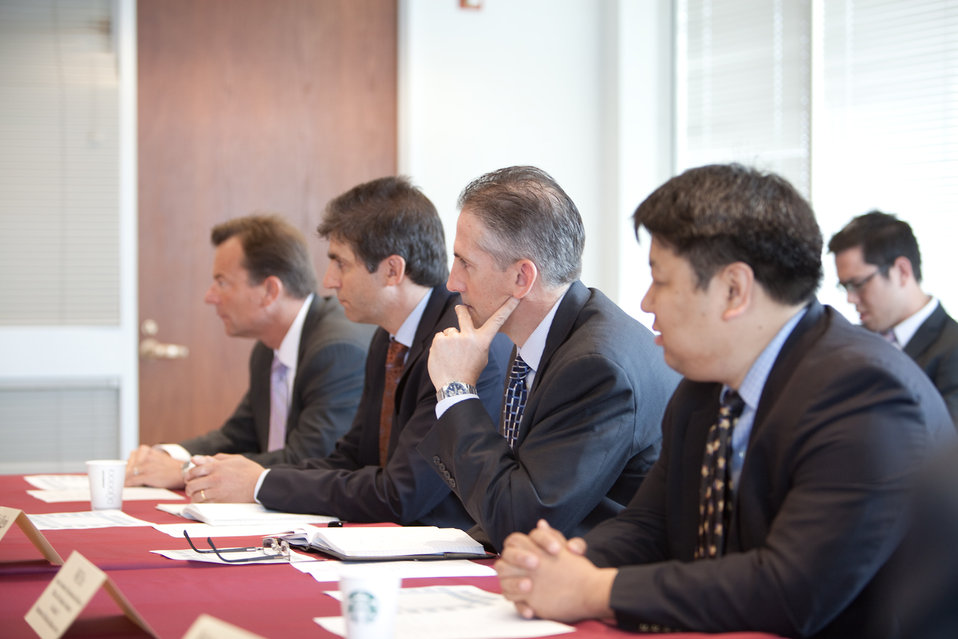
column 278, row 405
column 715, row 493
column 515, row 402
column 395, row 358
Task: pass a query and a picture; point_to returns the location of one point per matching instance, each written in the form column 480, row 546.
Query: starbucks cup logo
column 362, row 606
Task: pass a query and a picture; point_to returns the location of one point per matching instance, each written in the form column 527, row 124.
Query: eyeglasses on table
column 272, row 548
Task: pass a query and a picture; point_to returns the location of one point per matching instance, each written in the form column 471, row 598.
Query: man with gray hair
column 580, row 422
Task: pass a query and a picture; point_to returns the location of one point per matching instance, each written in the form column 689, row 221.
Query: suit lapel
column 260, row 365
column 562, row 325
column 693, row 452
column 439, row 300
column 926, row 333
column 808, row 329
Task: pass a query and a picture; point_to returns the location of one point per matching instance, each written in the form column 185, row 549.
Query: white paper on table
column 133, row 493
column 85, row 519
column 325, row 571
column 234, row 514
column 202, row 531
column 188, row 554
column 57, row 482
column 455, row 612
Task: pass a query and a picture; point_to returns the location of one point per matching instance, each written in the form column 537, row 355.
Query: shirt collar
column 907, row 328
column 531, row 352
column 288, row 351
column 407, row 332
column 754, row 382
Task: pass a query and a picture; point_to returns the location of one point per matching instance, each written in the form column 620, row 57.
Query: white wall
column 582, row 89
column 552, row 83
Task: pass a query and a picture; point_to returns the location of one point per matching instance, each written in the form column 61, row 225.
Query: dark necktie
column 395, row 358
column 715, row 493
column 515, row 402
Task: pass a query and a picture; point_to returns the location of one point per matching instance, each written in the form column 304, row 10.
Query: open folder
column 389, row 543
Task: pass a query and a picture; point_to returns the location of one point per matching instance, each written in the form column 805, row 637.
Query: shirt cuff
column 175, row 451
column 259, row 483
column 445, row 404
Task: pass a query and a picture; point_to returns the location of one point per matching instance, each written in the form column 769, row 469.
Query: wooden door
column 244, row 105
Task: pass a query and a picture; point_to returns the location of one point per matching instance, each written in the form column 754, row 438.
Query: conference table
column 271, row 600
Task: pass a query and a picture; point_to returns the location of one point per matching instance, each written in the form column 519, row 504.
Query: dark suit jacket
column 589, row 432
column 325, row 392
column 934, row 347
column 842, row 423
column 350, row 483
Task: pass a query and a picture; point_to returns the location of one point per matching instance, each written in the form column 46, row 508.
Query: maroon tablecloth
column 270, row 600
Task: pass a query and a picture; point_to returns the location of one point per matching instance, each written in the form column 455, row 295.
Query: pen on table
column 334, row 524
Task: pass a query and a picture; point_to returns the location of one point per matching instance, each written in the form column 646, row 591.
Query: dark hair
column 271, row 246
column 883, row 239
column 723, row 213
column 528, row 216
column 390, row 216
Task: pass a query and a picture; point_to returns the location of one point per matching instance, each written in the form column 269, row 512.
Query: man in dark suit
column 263, row 283
column 388, row 266
column 580, row 429
column 879, row 266
column 782, row 492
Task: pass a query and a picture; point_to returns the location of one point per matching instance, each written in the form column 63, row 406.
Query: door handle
column 151, row 348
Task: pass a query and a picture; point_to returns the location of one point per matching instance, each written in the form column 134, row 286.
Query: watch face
column 455, row 388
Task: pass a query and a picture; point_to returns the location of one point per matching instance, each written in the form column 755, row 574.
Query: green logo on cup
column 362, row 606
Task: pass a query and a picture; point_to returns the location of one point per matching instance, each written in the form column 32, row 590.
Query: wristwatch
column 455, row 388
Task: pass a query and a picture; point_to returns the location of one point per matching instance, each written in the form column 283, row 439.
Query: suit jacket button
column 435, row 459
column 452, row 483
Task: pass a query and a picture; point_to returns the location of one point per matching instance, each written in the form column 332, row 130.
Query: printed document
column 455, row 612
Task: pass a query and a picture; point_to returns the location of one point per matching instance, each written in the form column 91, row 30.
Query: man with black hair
column 388, row 267
column 790, row 449
column 879, row 266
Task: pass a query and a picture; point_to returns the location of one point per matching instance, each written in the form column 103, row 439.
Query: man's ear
column 393, row 269
column 738, row 282
column 526, row 275
column 273, row 289
column 903, row 265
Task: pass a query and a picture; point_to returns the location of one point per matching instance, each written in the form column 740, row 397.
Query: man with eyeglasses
column 879, row 266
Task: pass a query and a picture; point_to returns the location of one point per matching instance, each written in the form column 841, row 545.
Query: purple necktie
column 278, row 405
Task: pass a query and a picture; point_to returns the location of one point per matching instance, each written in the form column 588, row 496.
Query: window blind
column 59, row 171
column 743, row 84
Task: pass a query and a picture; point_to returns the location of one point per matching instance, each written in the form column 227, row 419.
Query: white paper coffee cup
column 370, row 599
column 106, row 483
